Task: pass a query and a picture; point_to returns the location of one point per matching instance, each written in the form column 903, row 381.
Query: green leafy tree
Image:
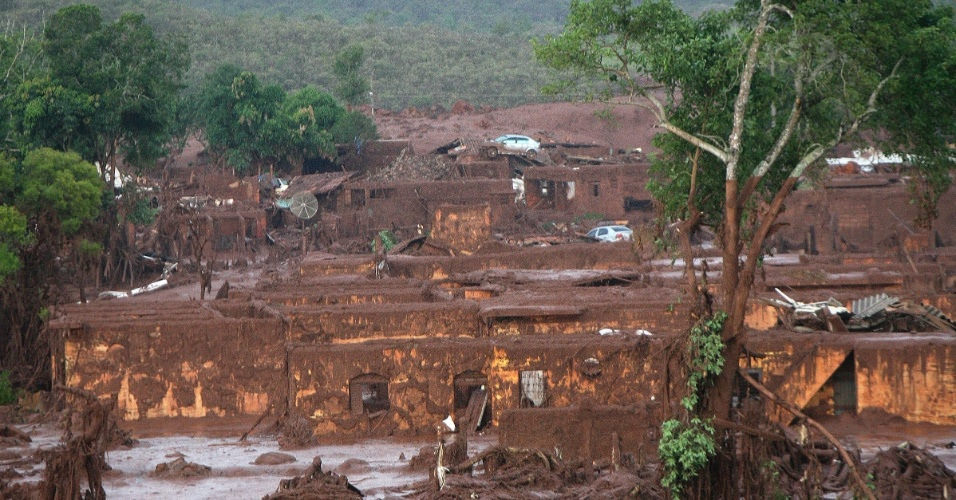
column 13, row 235
column 751, row 99
column 352, row 87
column 20, row 60
column 45, row 113
column 240, row 117
column 309, row 116
column 129, row 75
column 217, row 116
column 354, row 126
column 249, row 124
column 60, row 188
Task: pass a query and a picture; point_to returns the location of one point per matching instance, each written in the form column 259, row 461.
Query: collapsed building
column 555, row 347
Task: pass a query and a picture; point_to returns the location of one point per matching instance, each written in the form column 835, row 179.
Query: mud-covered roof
column 318, row 184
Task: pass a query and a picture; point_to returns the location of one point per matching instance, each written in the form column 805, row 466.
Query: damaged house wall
column 163, row 358
column 420, row 378
column 579, row 190
column 368, row 207
column 172, row 359
column 587, row 432
column 911, row 375
column 462, row 227
column 860, row 214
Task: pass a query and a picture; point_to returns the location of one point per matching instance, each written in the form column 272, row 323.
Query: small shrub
column 388, row 240
column 684, row 451
column 706, row 353
column 8, row 395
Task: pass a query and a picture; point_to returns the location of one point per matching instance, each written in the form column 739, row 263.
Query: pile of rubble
column 907, row 471
column 875, row 313
column 317, row 485
column 411, row 167
column 508, row 473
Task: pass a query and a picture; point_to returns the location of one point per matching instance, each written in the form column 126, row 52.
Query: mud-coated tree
column 46, row 202
column 750, row 100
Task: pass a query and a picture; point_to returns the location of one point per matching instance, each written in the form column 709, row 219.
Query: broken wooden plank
column 529, row 311
column 476, row 408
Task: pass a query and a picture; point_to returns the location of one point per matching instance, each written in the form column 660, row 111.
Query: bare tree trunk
column 685, row 230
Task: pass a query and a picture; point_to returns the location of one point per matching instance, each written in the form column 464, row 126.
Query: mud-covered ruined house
column 555, row 346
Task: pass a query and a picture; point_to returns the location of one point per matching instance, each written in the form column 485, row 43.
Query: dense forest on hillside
column 418, row 53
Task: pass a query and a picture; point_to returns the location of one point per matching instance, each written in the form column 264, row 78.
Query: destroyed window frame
column 381, row 193
column 357, row 198
column 524, row 401
column 470, row 379
column 464, row 385
column 377, row 386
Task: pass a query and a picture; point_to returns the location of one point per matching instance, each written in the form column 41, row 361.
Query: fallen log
column 864, row 489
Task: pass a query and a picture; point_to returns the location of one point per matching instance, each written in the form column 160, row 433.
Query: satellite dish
column 304, row 205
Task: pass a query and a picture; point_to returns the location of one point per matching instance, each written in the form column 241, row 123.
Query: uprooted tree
column 750, row 99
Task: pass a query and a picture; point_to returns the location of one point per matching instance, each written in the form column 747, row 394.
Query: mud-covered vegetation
column 749, row 101
column 88, row 103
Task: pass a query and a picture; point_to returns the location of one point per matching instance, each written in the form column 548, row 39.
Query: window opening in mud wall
column 224, row 242
column 368, row 393
column 596, row 189
column 533, row 388
column 382, row 193
column 547, row 189
column 844, row 387
column 357, row 197
column 472, row 399
column 838, row 394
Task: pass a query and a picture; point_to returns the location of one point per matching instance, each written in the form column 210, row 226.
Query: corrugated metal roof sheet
column 868, row 306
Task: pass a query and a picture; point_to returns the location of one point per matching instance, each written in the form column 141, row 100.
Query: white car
column 520, row 143
column 610, row 234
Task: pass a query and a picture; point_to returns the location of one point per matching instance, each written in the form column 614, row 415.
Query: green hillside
column 417, row 52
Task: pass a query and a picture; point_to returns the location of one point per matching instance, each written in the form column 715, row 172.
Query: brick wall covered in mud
column 462, row 227
column 342, row 324
column 335, row 385
column 174, row 360
column 369, row 207
column 573, row 256
column 859, row 215
column 586, row 432
column 911, row 375
column 582, row 190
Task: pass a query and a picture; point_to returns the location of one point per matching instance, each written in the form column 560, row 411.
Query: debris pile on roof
column 410, row 167
column 875, row 313
column 317, row 184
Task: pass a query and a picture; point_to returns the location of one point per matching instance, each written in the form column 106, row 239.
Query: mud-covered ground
column 619, row 125
column 379, row 468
